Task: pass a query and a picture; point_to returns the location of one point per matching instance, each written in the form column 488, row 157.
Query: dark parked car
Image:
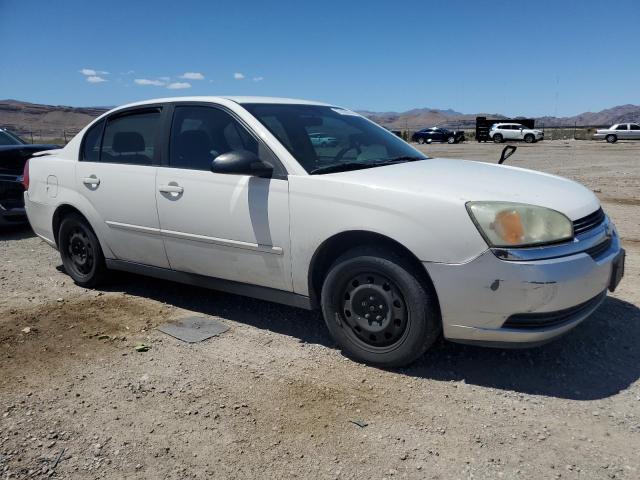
column 14, row 152
column 437, row 134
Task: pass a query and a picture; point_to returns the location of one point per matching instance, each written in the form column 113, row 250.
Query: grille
column 585, row 224
column 551, row 319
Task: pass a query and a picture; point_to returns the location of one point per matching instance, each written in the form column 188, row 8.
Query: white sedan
column 619, row 131
column 395, row 248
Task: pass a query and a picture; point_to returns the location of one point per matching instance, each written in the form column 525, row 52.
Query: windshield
column 7, row 138
column 328, row 139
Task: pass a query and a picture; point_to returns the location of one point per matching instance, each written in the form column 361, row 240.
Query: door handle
column 92, row 181
column 171, row 189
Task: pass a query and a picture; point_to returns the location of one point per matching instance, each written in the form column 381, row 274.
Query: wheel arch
column 60, row 212
column 336, row 245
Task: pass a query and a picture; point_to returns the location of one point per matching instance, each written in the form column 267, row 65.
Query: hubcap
column 374, row 310
column 80, row 251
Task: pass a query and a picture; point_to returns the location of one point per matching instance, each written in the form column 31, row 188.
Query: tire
column 451, row 140
column 611, row 138
column 529, row 138
column 421, row 140
column 407, row 320
column 80, row 251
column 497, row 138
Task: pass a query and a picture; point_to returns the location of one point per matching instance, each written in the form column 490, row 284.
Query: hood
column 461, row 181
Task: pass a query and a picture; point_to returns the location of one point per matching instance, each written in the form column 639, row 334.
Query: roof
column 238, row 99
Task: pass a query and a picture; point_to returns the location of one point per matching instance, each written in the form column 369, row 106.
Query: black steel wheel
column 378, row 307
column 374, row 310
column 80, row 251
column 497, row 138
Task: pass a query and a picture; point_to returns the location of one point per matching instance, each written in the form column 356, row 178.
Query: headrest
column 128, row 142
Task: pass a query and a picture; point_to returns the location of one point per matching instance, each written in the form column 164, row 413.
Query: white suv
column 514, row 131
column 394, row 247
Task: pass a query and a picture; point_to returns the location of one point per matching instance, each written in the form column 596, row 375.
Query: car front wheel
column 529, row 138
column 497, row 138
column 451, row 140
column 611, row 139
column 377, row 309
column 421, row 141
column 81, row 252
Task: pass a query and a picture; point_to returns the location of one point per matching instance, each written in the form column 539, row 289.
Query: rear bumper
column 40, row 215
column 496, row 302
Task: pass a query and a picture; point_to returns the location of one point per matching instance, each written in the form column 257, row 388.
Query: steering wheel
column 354, row 144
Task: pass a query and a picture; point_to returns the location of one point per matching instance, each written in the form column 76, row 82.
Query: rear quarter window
column 91, row 143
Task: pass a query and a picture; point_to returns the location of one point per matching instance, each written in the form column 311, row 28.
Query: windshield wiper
column 402, row 159
column 341, row 167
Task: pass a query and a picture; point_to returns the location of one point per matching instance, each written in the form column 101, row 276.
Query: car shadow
column 16, row 232
column 597, row 359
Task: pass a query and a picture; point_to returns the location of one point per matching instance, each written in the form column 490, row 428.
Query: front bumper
column 12, row 216
column 11, row 203
column 479, row 297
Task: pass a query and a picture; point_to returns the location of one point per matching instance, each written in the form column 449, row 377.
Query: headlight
column 506, row 224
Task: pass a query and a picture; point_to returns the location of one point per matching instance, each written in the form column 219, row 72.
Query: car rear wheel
column 80, row 250
column 611, row 138
column 451, row 140
column 497, row 138
column 529, row 138
column 377, row 309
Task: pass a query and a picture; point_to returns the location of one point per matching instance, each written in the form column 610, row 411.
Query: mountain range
column 56, row 121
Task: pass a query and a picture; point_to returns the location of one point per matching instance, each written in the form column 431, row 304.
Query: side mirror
column 241, row 162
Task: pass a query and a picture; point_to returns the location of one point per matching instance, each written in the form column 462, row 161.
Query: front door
column 233, row 227
column 117, row 174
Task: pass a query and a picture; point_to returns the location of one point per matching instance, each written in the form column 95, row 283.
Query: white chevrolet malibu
column 394, row 247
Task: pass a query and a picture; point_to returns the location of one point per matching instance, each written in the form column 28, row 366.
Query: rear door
column 233, row 227
column 117, row 174
column 622, row 131
column 506, row 131
column 634, row 131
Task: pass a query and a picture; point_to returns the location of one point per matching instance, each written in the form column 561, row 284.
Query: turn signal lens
column 506, row 224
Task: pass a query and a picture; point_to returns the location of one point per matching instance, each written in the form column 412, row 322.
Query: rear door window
column 130, row 138
column 633, row 126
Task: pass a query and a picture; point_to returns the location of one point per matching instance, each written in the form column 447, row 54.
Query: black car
column 14, row 153
column 437, row 134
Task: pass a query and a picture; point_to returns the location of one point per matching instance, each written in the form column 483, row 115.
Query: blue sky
column 513, row 57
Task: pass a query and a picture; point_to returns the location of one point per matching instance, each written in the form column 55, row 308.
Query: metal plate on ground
column 193, row 329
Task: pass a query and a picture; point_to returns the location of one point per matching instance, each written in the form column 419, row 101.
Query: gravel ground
column 273, row 398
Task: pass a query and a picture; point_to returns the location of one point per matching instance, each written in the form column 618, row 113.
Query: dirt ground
column 273, row 398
